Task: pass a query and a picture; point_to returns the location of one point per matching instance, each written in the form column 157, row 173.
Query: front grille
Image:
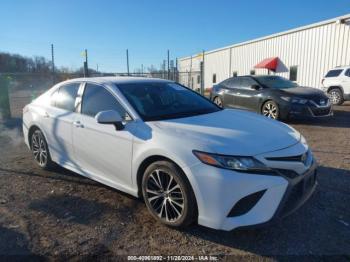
column 321, row 111
column 287, row 173
column 297, row 158
column 297, row 194
column 321, row 101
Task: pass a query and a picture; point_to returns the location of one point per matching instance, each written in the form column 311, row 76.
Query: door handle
column 78, row 124
column 46, row 115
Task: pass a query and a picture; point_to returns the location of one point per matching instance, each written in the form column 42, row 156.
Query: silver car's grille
column 305, row 158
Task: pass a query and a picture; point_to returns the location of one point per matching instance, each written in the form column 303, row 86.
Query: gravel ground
column 60, row 213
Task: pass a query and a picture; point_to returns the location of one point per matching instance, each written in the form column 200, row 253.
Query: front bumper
column 308, row 110
column 218, row 191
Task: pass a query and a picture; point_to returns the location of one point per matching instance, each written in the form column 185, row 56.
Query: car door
column 245, row 96
column 58, row 120
column 230, row 88
column 101, row 151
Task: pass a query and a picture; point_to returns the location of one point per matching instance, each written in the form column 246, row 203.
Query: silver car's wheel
column 40, row 150
column 218, row 101
column 270, row 109
column 168, row 194
column 336, row 96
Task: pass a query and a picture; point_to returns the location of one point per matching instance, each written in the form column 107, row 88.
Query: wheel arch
column 31, row 131
column 335, row 87
column 146, row 163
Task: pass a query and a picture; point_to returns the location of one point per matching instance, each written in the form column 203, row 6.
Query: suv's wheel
column 218, row 101
column 270, row 109
column 336, row 96
column 40, row 150
column 168, row 194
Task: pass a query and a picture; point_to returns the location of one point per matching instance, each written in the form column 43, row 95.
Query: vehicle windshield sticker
column 177, row 87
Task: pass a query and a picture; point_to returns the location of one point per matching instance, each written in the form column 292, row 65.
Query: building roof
column 338, row 19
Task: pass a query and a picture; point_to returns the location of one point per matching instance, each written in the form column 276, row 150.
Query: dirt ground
column 60, row 213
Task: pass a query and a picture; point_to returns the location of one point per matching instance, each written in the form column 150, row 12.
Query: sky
column 106, row 28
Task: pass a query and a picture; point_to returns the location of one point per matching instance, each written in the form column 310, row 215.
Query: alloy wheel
column 218, row 101
column 334, row 96
column 39, row 148
column 270, row 110
column 165, row 196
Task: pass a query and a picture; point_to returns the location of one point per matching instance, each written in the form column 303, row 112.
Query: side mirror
column 111, row 117
column 255, row 87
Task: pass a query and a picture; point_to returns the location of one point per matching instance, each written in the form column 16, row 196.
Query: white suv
column 337, row 84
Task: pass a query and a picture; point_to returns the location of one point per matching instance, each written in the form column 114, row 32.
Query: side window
column 247, row 82
column 96, row 99
column 65, row 96
column 232, row 82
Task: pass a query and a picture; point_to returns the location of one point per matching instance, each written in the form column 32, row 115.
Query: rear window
column 334, row 73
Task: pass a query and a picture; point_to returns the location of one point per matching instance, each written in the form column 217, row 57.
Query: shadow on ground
column 72, row 208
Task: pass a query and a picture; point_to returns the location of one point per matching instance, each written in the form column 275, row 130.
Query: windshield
column 275, row 82
column 165, row 100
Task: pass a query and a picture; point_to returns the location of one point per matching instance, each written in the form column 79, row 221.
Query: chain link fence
column 19, row 89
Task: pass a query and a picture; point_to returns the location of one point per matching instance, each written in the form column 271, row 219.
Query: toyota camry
column 190, row 160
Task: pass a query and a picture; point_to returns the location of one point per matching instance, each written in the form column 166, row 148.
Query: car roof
column 117, row 80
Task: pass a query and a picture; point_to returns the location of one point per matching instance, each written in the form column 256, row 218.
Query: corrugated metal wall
column 313, row 50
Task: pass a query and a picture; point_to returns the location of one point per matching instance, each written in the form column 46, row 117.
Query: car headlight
column 239, row 163
column 295, row 100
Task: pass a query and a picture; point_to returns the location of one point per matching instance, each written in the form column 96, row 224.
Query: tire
column 175, row 208
column 218, row 101
column 336, row 96
column 270, row 109
column 40, row 150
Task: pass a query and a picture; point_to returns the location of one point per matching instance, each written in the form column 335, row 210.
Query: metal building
column 304, row 55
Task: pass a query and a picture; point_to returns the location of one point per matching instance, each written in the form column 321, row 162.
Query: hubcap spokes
column 39, row 149
column 270, row 110
column 218, row 102
column 334, row 97
column 165, row 195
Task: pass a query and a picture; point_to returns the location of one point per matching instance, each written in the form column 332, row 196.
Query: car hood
column 304, row 92
column 230, row 132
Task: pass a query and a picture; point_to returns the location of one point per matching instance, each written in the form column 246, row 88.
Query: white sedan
column 190, row 160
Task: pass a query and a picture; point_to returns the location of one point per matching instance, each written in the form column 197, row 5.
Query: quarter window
column 96, row 99
column 64, row 98
column 293, row 73
column 347, row 73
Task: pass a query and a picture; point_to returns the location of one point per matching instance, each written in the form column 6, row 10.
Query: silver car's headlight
column 239, row 163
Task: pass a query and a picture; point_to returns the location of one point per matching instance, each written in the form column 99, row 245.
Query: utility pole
column 168, row 65
column 86, row 67
column 176, row 72
column 202, row 74
column 127, row 61
column 53, row 63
